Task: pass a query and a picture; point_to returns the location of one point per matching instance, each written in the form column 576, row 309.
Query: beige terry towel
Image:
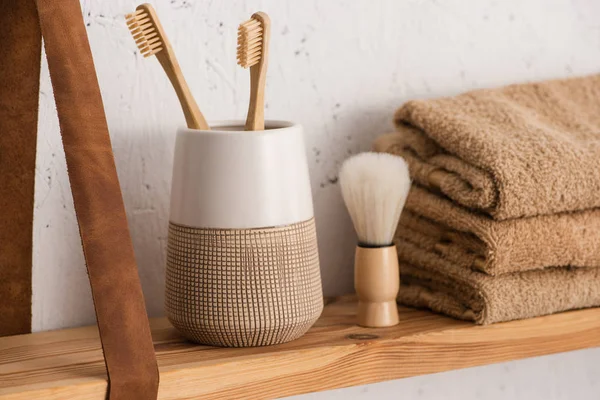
column 521, row 150
column 476, row 241
column 443, row 287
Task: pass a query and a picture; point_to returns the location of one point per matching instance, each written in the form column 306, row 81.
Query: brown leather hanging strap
column 20, row 48
column 116, row 289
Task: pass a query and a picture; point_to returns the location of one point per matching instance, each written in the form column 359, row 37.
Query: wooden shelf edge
column 335, row 353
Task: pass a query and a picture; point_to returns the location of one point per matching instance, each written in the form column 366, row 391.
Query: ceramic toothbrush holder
column 242, row 259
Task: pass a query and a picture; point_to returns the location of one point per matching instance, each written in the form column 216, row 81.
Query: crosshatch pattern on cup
column 247, row 287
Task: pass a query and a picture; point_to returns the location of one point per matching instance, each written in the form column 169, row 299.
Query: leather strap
column 20, row 51
column 111, row 265
column 116, row 289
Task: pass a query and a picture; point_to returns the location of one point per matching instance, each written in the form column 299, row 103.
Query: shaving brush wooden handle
column 377, row 281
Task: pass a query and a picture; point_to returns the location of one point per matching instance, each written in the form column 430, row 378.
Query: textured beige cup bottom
column 242, row 288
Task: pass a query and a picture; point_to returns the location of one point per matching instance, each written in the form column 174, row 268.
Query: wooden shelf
column 67, row 364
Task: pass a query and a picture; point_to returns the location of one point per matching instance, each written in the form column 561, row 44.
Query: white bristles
column 374, row 188
column 250, row 38
column 145, row 32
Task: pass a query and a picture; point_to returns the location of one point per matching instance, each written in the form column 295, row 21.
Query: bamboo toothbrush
column 374, row 188
column 151, row 39
column 253, row 53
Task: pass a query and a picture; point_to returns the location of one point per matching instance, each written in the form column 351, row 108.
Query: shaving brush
column 374, row 188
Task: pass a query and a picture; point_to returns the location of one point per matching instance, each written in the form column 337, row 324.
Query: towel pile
column 503, row 220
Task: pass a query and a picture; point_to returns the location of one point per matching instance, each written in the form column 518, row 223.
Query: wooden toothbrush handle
column 256, row 109
column 193, row 115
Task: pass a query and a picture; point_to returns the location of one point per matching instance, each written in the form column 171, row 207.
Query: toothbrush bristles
column 250, row 38
column 144, row 32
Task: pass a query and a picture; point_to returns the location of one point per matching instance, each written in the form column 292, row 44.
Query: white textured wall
column 338, row 67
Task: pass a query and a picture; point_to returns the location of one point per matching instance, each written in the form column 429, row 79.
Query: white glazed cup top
column 234, row 179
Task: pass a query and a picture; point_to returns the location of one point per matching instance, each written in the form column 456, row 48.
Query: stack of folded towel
column 503, row 220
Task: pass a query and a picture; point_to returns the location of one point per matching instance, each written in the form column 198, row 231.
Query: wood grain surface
column 67, row 364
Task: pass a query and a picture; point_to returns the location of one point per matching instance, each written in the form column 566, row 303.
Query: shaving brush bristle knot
column 374, row 187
